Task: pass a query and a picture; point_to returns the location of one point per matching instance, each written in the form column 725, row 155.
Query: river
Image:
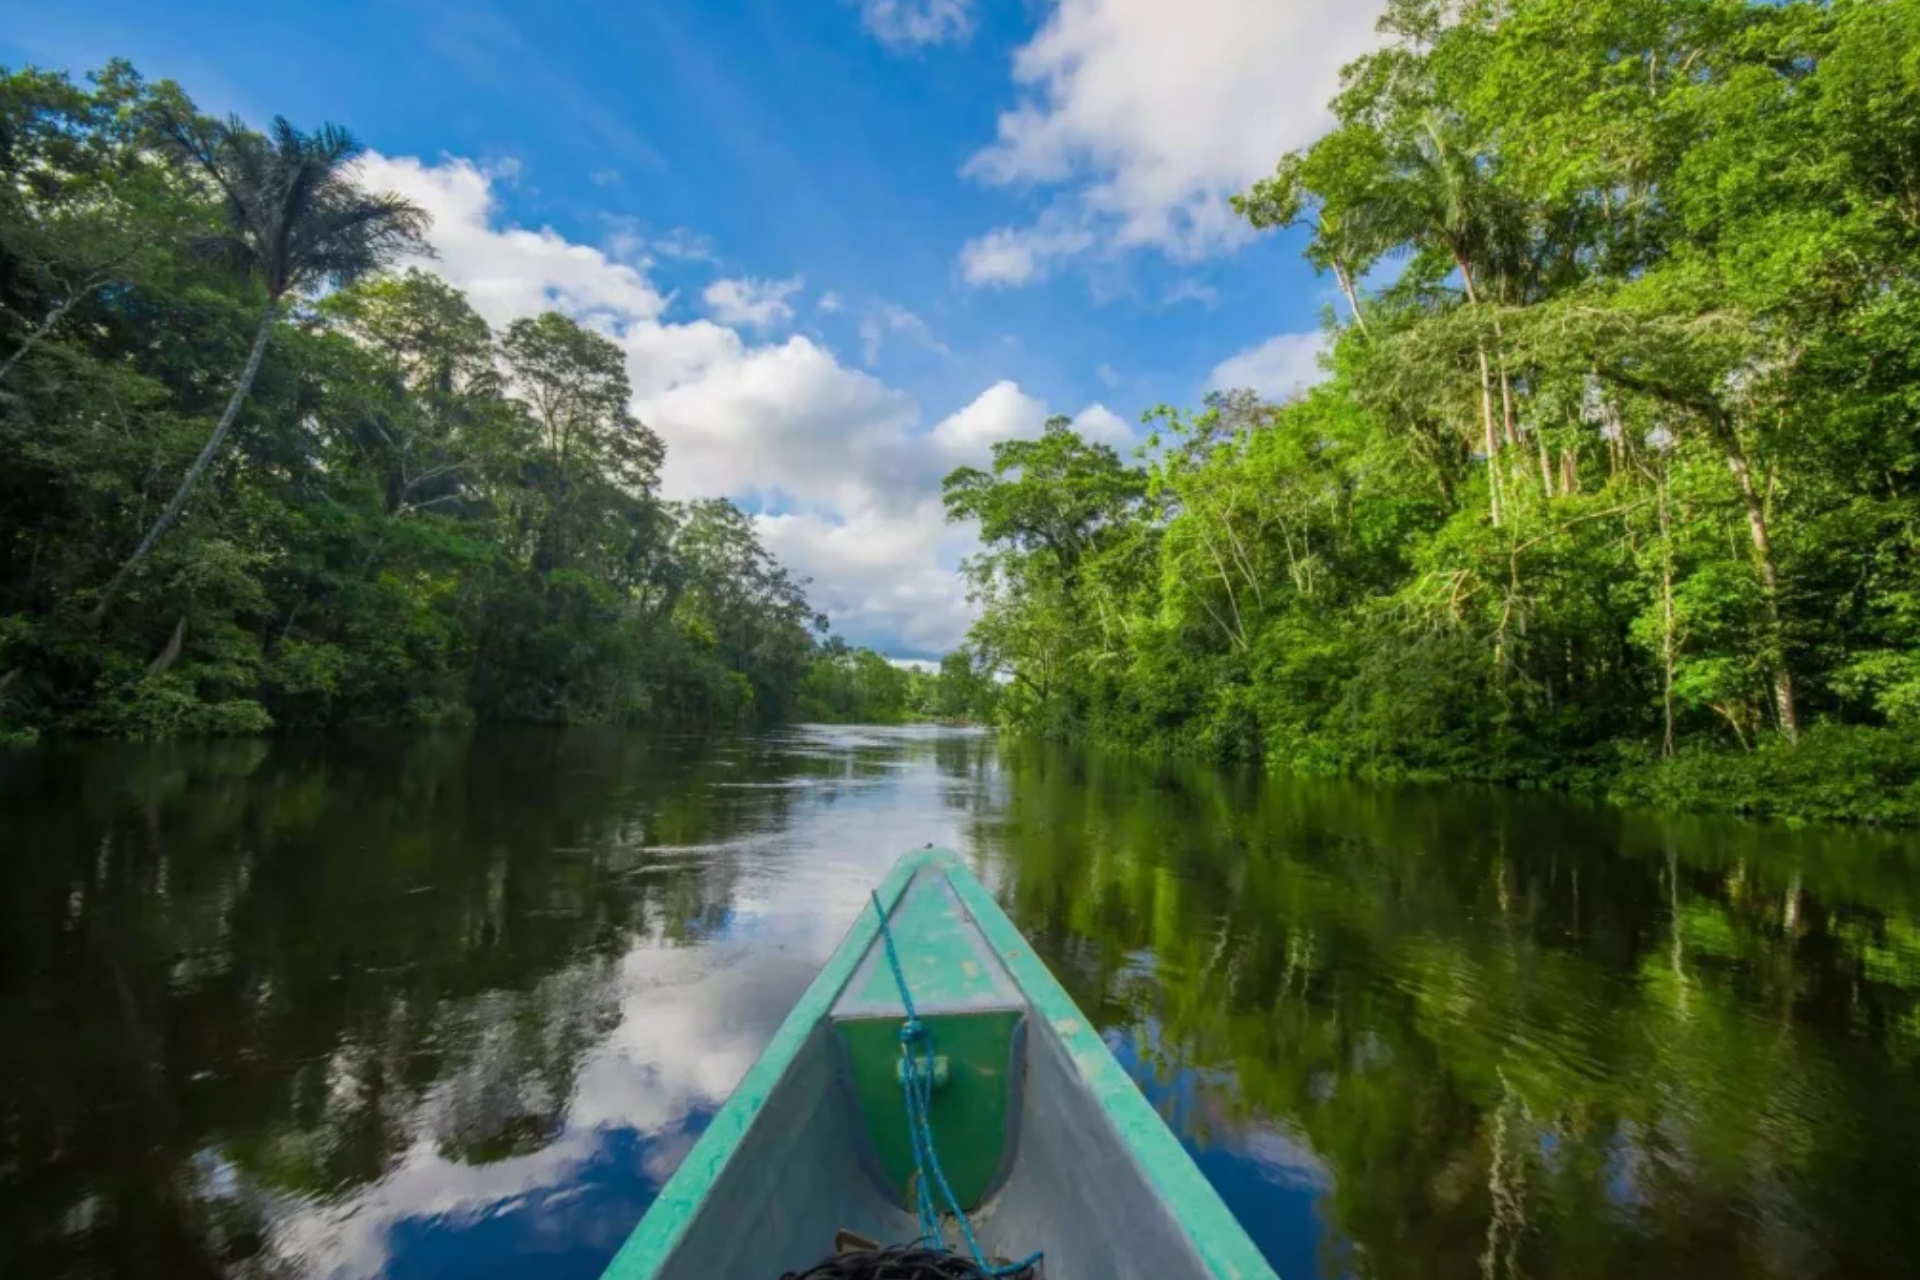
column 456, row 1006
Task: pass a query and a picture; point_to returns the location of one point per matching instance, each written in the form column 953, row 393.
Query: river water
column 456, row 1006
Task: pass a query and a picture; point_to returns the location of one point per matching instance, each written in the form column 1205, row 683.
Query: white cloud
column 684, row 244
column 885, row 577
column 889, row 318
column 785, row 422
column 1191, row 291
column 1148, row 113
column 1021, row 255
column 1099, row 423
column 758, row 303
column 1279, row 368
column 1001, row 412
column 830, row 302
column 511, row 272
column 841, row 457
column 918, row 22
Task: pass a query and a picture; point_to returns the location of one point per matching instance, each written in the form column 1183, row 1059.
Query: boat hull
column 1048, row 1143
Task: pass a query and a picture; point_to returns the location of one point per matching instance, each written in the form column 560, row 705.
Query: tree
column 295, row 218
column 573, row 384
column 1054, row 494
column 85, row 203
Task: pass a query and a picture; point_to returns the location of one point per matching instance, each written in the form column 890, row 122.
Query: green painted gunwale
column 1216, row 1236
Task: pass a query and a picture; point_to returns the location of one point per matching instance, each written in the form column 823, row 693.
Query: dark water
column 456, row 1006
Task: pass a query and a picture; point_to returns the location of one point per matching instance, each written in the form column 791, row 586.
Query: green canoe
column 1042, row 1138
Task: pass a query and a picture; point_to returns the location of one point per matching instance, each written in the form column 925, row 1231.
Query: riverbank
column 1846, row 774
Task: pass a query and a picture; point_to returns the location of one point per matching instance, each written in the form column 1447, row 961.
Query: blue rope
column 916, row 1052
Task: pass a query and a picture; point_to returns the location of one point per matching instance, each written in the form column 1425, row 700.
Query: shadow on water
column 424, row 1006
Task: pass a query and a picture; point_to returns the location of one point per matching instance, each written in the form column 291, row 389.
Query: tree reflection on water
column 459, row 1004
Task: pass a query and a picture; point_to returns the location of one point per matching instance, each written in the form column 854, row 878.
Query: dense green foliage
column 859, row 686
column 1616, row 461
column 253, row 477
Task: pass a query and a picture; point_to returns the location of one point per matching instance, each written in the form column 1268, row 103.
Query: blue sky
column 847, row 244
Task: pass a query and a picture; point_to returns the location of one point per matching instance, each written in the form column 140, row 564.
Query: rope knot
column 918, row 1076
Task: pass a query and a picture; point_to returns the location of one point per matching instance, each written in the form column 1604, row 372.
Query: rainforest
column 1607, row 482
column 1610, row 483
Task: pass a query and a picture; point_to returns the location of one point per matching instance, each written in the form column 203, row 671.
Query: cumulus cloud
column 1097, row 422
column 1147, row 114
column 1001, row 412
column 1021, row 255
column 760, row 304
column 830, row 302
column 1279, row 369
column 841, row 461
column 881, row 573
column 918, row 22
column 512, row 271
column 884, row 563
column 782, row 424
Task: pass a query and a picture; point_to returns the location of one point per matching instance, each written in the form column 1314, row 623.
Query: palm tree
column 295, row 218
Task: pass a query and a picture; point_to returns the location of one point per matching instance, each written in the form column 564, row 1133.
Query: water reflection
column 406, row 1005
column 1503, row 1036
column 459, row 1005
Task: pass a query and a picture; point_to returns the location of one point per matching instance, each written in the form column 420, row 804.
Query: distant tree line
column 858, row 686
column 1614, row 480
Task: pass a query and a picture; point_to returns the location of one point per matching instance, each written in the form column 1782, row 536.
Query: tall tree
column 295, row 218
column 573, row 384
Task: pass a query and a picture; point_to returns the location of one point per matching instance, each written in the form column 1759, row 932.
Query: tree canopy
column 257, row 475
column 1612, row 475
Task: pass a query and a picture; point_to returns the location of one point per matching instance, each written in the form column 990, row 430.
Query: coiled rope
column 916, row 1084
column 896, row 1262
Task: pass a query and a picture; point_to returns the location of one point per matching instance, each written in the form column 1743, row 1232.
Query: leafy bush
column 1844, row 773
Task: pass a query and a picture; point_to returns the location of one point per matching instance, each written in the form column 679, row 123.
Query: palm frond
column 295, row 215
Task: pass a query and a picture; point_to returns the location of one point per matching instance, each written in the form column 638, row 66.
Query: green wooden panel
column 970, row 1112
column 947, row 964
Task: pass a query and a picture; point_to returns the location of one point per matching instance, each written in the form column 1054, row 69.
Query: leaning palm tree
column 295, row 218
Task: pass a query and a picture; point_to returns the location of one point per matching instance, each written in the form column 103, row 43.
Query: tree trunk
column 1783, row 698
column 171, row 654
column 1353, row 298
column 1667, row 655
column 46, row 325
column 1486, row 396
column 40, row 331
column 178, row 502
column 1506, row 385
column 1492, row 442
